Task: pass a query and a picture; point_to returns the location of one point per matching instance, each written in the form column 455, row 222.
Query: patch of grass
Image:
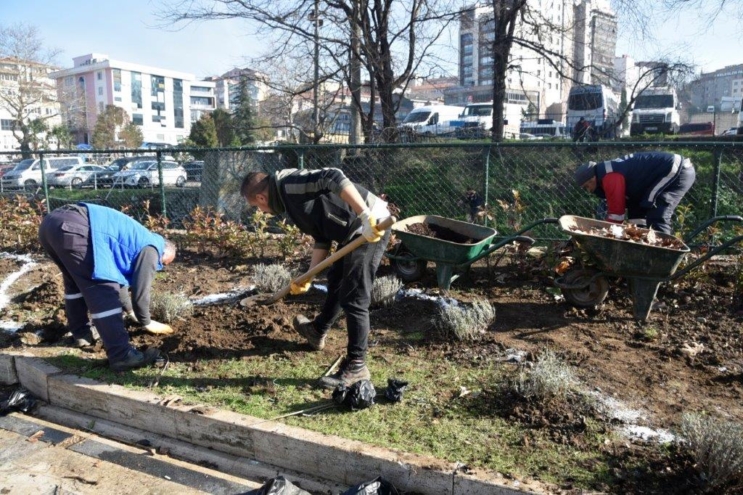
column 434, row 417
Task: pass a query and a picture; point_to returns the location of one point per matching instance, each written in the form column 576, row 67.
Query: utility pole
column 316, row 111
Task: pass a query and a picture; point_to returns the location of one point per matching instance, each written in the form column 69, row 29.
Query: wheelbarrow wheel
column 408, row 267
column 591, row 295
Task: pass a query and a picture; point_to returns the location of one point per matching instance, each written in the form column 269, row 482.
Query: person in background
column 101, row 252
column 326, row 205
column 644, row 187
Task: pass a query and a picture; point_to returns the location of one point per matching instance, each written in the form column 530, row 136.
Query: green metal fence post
column 43, row 181
column 716, row 183
column 162, row 184
column 487, row 180
column 301, row 159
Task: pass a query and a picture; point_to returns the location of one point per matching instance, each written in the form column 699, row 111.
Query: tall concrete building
column 158, row 100
column 227, row 87
column 583, row 32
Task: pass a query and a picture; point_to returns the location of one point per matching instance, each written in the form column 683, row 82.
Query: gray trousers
column 65, row 236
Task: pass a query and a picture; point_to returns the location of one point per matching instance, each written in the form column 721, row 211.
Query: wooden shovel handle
column 309, row 274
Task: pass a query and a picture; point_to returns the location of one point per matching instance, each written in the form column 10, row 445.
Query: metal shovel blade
column 256, row 299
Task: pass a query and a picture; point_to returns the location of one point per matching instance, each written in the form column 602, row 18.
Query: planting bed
column 688, row 357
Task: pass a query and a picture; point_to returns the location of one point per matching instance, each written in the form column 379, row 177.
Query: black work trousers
column 65, row 236
column 350, row 282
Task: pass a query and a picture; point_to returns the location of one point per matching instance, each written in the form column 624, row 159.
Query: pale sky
column 126, row 30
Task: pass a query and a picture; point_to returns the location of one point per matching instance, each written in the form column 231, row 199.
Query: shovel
column 272, row 298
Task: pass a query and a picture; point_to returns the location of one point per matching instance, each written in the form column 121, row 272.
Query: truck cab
column 476, row 121
column 655, row 111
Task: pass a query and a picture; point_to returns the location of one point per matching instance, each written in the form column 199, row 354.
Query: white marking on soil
column 28, row 264
column 616, row 409
column 222, row 297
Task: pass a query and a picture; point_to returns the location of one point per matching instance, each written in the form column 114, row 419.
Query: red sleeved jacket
column 614, row 188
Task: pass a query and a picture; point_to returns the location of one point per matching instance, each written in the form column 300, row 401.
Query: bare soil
column 687, row 357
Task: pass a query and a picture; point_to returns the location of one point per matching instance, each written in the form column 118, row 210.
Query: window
column 6, row 125
column 100, row 76
column 100, row 90
column 136, row 90
column 117, row 80
column 178, row 103
column 158, row 85
column 137, row 119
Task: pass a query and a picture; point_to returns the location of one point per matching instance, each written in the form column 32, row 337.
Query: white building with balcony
column 158, row 100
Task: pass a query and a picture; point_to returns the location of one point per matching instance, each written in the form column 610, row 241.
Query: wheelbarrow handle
column 703, row 226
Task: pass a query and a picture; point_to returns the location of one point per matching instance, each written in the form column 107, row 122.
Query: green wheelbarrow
column 457, row 246
column 644, row 266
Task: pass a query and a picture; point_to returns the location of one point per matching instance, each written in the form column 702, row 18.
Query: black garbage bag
column 278, row 486
column 395, row 388
column 377, row 486
column 360, row 395
column 20, row 400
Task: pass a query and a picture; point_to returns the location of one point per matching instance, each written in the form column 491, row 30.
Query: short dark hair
column 254, row 183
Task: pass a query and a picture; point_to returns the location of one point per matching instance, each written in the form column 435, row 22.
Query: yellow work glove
column 369, row 227
column 297, row 289
column 158, row 328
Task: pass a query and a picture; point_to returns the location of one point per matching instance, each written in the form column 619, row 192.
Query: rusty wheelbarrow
column 644, row 266
column 465, row 243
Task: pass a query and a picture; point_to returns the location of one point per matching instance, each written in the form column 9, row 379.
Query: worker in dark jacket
column 102, row 252
column 326, row 205
column 645, row 188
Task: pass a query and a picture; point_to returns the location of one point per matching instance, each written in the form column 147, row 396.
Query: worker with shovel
column 101, row 252
column 326, row 205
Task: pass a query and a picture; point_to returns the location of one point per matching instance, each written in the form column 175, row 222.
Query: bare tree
column 389, row 40
column 26, row 93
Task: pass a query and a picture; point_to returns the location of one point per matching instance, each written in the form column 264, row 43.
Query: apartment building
column 158, row 100
column 584, row 33
column 30, row 95
column 227, row 87
column 709, row 89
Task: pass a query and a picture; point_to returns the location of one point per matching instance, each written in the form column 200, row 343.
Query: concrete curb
column 341, row 461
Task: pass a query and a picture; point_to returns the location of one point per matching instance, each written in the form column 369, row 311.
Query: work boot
column 87, row 339
column 136, row 359
column 350, row 372
column 306, row 329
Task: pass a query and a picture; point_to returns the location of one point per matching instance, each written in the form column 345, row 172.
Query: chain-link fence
column 519, row 182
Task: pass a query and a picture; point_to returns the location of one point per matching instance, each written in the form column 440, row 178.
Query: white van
column 430, row 120
column 27, row 174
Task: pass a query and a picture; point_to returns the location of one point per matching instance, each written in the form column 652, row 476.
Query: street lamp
column 315, row 17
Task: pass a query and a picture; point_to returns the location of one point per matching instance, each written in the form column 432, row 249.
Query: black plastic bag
column 377, row 486
column 395, row 388
column 278, row 486
column 20, row 400
column 360, row 395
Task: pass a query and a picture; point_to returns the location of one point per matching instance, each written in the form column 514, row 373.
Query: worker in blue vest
column 102, row 253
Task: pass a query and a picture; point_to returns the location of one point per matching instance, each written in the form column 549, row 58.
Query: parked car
column 697, row 129
column 145, row 174
column 102, row 179
column 27, row 174
column 733, row 131
column 6, row 167
column 194, row 170
column 73, row 175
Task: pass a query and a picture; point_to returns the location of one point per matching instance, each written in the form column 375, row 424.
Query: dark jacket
column 646, row 175
column 311, row 199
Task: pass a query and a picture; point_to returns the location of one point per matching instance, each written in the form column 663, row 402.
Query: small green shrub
column 550, row 377
column 166, row 307
column 717, row 448
column 464, row 323
column 271, row 278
